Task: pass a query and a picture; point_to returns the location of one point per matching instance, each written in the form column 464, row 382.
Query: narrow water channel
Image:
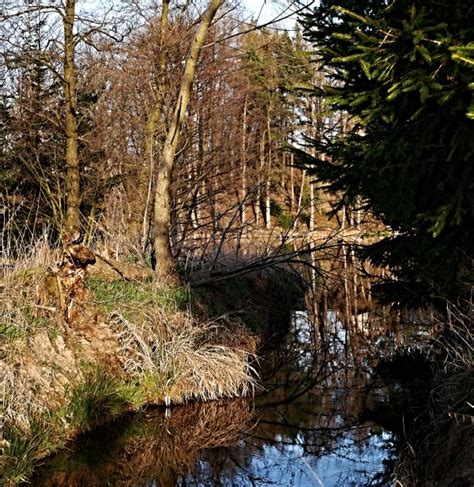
column 314, row 423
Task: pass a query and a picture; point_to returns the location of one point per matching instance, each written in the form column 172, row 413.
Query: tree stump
column 71, row 275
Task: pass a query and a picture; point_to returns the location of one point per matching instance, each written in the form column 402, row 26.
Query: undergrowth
column 441, row 450
column 178, row 358
column 135, row 342
column 20, row 314
column 26, row 448
column 100, row 398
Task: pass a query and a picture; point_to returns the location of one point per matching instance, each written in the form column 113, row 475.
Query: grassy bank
column 439, row 440
column 132, row 342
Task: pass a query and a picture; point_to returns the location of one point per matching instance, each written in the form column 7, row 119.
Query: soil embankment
column 127, row 342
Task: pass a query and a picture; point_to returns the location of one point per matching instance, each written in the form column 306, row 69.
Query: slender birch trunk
column 355, row 277
column 311, row 206
column 347, row 305
column 258, row 209
column 300, row 198
column 292, row 184
column 268, row 222
column 165, row 265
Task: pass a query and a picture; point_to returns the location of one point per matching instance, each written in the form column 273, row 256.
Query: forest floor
column 132, row 342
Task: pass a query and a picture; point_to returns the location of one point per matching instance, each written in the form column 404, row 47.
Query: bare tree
column 162, row 217
column 58, row 55
column 73, row 197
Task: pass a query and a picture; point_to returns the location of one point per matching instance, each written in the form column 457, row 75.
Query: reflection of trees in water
column 310, row 409
column 307, row 420
column 149, row 447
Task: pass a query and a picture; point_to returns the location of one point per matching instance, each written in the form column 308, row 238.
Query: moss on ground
column 127, row 295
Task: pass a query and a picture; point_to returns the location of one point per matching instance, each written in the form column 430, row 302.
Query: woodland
column 190, row 149
column 137, row 152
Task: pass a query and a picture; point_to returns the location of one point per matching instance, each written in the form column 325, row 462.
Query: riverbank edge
column 435, row 411
column 438, row 446
column 98, row 389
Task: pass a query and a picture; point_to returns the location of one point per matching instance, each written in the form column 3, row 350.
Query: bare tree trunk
column 355, row 277
column 154, row 119
column 292, row 185
column 268, row 222
column 244, row 166
column 192, row 179
column 258, row 208
column 347, row 306
column 300, row 199
column 162, row 218
column 73, row 198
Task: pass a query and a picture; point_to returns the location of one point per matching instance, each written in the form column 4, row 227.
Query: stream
column 317, row 421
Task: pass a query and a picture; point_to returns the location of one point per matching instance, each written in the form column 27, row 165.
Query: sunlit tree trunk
column 312, row 134
column 269, row 175
column 202, row 140
column 355, row 278
column 260, row 181
column 73, row 198
column 311, row 206
column 292, row 184
column 347, row 305
column 300, row 199
column 165, row 265
column 243, row 158
column 141, row 217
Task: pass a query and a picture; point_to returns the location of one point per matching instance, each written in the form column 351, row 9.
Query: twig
column 47, row 308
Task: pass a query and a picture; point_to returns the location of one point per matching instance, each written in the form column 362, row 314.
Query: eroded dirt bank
column 128, row 342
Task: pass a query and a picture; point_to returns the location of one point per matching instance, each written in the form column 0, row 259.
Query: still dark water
column 315, row 423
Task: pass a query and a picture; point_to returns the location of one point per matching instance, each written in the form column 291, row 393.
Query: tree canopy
column 403, row 72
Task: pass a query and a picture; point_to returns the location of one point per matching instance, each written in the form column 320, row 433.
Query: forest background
column 185, row 137
column 85, row 121
column 92, row 99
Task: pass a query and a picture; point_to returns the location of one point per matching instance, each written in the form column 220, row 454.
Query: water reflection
column 308, row 427
column 152, row 448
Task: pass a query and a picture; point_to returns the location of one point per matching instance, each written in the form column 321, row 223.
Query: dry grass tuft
column 20, row 318
column 183, row 359
column 458, row 337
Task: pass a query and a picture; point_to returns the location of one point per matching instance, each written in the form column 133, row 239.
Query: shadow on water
column 320, row 420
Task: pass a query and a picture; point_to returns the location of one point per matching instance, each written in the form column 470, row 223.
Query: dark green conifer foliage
column 403, row 70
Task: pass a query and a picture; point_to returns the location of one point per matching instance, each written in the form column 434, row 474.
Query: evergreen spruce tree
column 403, row 70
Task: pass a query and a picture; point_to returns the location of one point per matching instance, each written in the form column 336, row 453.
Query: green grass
column 19, row 321
column 26, row 448
column 9, row 332
column 100, row 398
column 111, row 295
column 286, row 221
